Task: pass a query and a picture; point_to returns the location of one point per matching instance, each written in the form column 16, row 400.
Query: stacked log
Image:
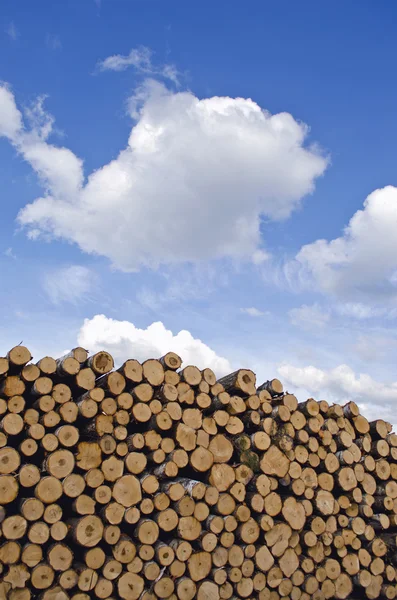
column 156, row 481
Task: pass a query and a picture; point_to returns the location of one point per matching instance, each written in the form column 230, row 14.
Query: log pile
column 156, row 481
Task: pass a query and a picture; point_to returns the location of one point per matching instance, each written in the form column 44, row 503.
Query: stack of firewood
column 156, row 481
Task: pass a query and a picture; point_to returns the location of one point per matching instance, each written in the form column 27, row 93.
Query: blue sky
column 198, row 165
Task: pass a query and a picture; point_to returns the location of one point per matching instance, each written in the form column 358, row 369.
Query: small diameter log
column 79, row 354
column 30, row 373
column 171, row 361
column 274, row 387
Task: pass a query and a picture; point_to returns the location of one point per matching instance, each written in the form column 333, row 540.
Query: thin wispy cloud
column 312, row 317
column 9, row 253
column 72, row 284
column 252, row 312
column 141, row 60
column 12, row 31
column 53, row 42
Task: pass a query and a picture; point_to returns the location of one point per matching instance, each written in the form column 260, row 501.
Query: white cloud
column 141, row 59
column 309, row 317
column 59, row 170
column 341, row 384
column 357, row 310
column 193, row 183
column 40, row 121
column 260, row 256
column 252, row 312
column 10, row 116
column 69, row 284
column 124, row 340
column 360, row 265
column 12, row 31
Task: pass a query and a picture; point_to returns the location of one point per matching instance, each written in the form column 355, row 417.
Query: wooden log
column 12, row 385
column 240, row 382
column 171, row 361
column 101, row 363
column 18, row 357
column 4, row 366
column 274, row 387
column 191, row 375
column 274, row 462
column 316, row 484
column 67, row 366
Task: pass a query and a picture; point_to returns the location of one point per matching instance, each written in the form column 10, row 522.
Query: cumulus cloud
column 141, row 60
column 70, row 284
column 362, row 263
column 341, row 384
column 309, row 317
column 193, row 183
column 341, row 381
column 124, row 340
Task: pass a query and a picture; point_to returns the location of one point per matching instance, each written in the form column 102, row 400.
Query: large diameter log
column 101, row 363
column 274, row 462
column 67, row 366
column 153, row 372
column 12, row 385
column 87, row 531
column 240, row 382
column 19, row 356
column 130, row 586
